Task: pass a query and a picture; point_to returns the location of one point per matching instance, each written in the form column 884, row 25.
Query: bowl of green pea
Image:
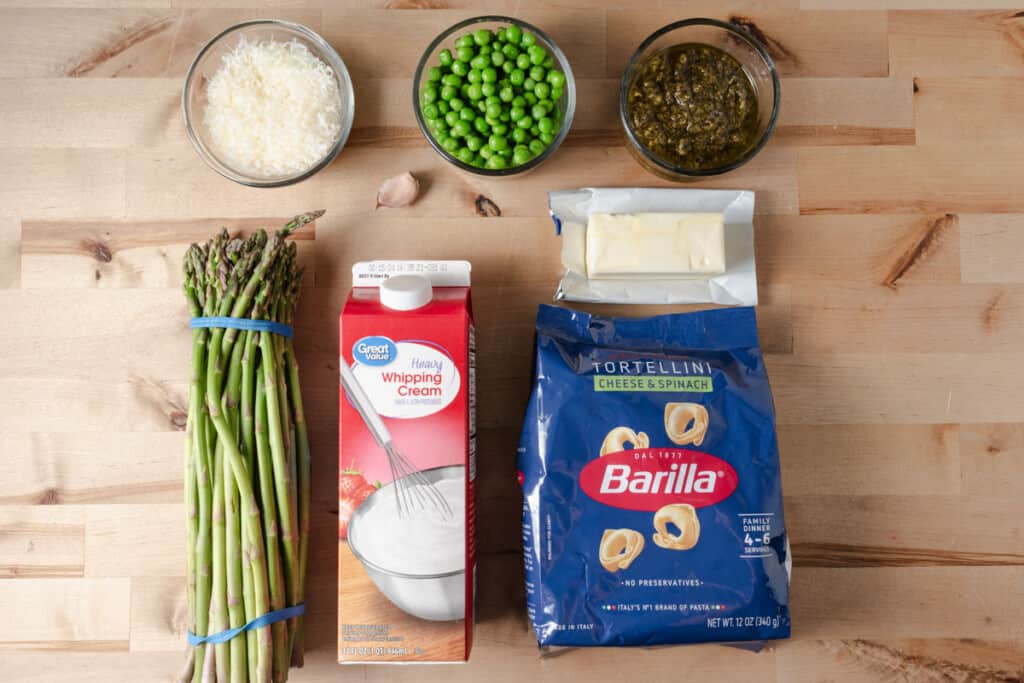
column 494, row 96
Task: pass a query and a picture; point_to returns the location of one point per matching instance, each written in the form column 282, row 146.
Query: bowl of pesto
column 699, row 98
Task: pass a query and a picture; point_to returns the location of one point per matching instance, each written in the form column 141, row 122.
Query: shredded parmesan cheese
column 273, row 108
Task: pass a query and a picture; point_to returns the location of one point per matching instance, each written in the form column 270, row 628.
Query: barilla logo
column 650, row 478
column 374, row 351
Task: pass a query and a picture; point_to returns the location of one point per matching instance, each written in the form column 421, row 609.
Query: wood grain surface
column 890, row 246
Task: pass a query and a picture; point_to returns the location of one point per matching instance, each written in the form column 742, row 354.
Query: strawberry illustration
column 353, row 489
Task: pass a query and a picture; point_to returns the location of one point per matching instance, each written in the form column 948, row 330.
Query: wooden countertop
column 890, row 242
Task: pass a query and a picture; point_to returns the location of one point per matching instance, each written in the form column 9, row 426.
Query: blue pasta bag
column 650, row 472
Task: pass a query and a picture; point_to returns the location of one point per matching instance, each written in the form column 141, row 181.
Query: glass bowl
column 206, row 63
column 733, row 40
column 446, row 39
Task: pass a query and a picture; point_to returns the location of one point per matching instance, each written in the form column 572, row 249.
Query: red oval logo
column 650, row 478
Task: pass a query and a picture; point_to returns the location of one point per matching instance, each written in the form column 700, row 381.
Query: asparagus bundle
column 247, row 460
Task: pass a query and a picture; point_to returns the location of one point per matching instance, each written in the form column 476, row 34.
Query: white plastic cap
column 406, row 292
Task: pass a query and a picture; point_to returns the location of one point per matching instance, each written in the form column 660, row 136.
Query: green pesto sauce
column 693, row 105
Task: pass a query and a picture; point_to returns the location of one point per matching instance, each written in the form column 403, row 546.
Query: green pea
column 489, row 75
column 482, row 126
column 519, row 135
column 513, row 33
column 494, row 110
column 479, row 161
column 429, row 94
column 480, row 63
column 464, row 54
column 448, row 92
column 443, row 107
column 451, row 118
column 429, row 111
column 488, row 89
column 534, row 130
column 497, row 58
column 467, row 114
column 445, row 57
column 504, row 118
column 465, row 155
column 496, row 162
column 542, row 91
column 537, row 54
column 508, row 66
column 538, row 73
column 546, row 125
column 455, row 103
column 460, row 68
column 519, row 101
column 546, row 138
column 523, row 61
column 531, row 98
column 484, row 50
column 517, row 77
column 525, row 122
column 538, row 110
column 434, row 74
column 536, row 146
column 486, row 152
column 499, row 35
column 465, row 40
column 473, row 76
column 506, row 153
column 499, row 129
column 497, row 142
column 520, row 156
column 556, row 93
column 548, row 63
column 556, row 79
column 473, row 142
column 517, row 113
column 511, row 51
column 453, row 80
column 507, row 94
column 450, row 144
column 527, row 40
column 492, row 120
column 529, row 84
column 461, row 128
column 482, row 36
column 474, row 92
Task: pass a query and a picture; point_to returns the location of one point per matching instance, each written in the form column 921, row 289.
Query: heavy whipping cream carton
column 650, row 473
column 406, row 569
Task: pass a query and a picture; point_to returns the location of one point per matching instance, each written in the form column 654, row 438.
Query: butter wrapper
column 737, row 286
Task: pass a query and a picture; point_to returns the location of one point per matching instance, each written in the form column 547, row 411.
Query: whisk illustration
column 413, row 490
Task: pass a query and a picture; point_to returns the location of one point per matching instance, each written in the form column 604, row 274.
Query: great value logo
column 374, row 351
column 650, row 478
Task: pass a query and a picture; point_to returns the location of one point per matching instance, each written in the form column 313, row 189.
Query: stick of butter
column 673, row 245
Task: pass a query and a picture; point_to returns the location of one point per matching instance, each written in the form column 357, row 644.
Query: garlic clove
column 398, row 191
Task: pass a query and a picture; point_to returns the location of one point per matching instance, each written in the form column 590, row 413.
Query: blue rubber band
column 259, row 622
column 226, row 322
